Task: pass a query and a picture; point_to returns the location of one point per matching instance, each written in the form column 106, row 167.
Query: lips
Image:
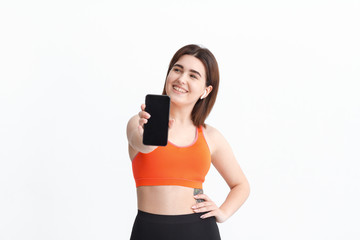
column 179, row 89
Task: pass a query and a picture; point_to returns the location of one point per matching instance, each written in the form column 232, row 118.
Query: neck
column 182, row 115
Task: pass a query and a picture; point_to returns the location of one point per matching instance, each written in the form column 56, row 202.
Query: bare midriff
column 166, row 200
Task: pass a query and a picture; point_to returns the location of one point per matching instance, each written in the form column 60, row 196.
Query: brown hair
column 202, row 107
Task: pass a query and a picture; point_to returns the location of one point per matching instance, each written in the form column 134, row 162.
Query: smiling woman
column 169, row 180
column 202, row 66
column 178, row 87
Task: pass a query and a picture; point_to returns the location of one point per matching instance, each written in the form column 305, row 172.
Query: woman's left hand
column 210, row 207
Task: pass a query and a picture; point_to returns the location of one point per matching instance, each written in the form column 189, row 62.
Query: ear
column 207, row 91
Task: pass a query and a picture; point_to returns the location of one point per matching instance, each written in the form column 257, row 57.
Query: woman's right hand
column 135, row 136
column 143, row 119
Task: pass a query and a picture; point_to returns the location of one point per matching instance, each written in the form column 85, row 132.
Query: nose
column 182, row 79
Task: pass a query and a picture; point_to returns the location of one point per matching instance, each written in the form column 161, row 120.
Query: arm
column 224, row 161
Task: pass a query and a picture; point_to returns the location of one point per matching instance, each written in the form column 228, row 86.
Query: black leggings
column 148, row 226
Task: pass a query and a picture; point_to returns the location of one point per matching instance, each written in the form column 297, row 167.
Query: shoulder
column 214, row 138
column 211, row 131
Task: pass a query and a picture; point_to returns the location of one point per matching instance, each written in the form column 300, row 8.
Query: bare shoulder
column 214, row 138
column 211, row 132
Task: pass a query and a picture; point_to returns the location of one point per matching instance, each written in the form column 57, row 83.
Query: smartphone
column 156, row 129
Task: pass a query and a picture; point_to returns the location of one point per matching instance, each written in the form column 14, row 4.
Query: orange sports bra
column 173, row 165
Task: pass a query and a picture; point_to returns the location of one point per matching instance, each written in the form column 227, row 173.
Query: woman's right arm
column 135, row 131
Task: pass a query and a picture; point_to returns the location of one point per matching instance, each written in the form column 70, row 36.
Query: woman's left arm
column 224, row 161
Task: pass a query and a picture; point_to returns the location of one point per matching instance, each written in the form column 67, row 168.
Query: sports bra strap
column 200, row 129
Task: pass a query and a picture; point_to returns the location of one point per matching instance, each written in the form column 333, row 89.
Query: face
column 185, row 83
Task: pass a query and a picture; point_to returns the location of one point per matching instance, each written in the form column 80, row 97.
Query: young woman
column 171, row 202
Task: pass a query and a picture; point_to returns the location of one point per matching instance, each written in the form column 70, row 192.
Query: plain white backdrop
column 73, row 72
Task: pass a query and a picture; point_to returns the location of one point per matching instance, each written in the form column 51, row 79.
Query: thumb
column 141, row 130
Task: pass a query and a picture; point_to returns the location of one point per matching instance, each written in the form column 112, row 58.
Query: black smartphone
column 156, row 129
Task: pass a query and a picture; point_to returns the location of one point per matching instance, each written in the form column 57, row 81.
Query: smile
column 179, row 89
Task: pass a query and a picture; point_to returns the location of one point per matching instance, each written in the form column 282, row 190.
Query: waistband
column 170, row 219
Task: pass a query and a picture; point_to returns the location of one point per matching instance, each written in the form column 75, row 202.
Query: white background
column 73, row 72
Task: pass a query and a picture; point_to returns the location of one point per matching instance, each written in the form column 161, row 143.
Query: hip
column 148, row 226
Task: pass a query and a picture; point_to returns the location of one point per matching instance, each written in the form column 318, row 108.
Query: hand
column 144, row 116
column 210, row 207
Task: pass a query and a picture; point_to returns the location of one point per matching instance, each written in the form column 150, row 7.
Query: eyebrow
column 191, row 70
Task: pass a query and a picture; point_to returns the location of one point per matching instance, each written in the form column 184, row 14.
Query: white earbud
column 203, row 96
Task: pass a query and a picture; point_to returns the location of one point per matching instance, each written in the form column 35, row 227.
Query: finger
column 202, row 196
column 206, row 204
column 142, row 121
column 207, row 215
column 143, row 106
column 203, row 204
column 143, row 114
column 206, row 208
column 141, row 130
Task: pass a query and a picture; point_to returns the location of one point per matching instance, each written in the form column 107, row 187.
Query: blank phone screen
column 156, row 129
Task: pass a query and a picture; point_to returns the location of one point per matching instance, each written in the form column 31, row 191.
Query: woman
column 171, row 202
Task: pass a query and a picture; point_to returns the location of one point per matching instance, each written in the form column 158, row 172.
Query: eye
column 193, row 76
column 176, row 69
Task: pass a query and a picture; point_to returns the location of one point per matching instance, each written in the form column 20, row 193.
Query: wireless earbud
column 203, row 96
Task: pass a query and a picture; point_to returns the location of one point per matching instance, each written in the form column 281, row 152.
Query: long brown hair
column 202, row 107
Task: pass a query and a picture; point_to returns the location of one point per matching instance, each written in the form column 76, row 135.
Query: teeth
column 179, row 89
